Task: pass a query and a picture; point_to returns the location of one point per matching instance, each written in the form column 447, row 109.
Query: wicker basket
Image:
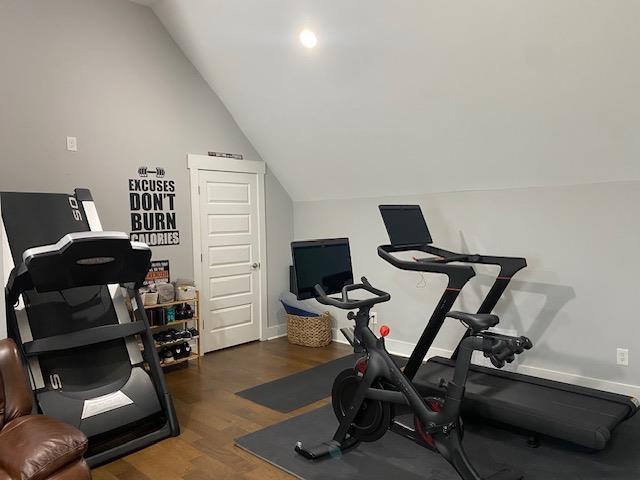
column 309, row 331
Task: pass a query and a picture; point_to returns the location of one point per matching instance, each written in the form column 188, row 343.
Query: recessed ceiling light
column 308, row 38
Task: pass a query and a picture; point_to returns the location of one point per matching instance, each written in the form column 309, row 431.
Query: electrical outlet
column 623, row 357
column 374, row 318
column 72, row 144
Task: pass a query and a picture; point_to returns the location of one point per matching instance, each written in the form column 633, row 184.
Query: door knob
column 255, row 265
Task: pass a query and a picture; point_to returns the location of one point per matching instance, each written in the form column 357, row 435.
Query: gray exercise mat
column 489, row 448
column 303, row 388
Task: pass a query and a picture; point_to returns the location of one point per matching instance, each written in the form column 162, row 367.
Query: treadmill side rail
column 82, row 338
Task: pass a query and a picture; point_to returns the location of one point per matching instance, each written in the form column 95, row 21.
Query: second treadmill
column 580, row 415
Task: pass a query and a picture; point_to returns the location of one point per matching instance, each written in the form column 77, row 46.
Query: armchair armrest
column 34, row 447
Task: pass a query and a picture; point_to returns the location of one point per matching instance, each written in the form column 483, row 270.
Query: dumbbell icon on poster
column 159, row 172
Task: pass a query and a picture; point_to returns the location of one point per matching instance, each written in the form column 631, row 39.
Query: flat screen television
column 321, row 262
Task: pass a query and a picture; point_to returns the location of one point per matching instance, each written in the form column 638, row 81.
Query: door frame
column 198, row 163
column 4, row 275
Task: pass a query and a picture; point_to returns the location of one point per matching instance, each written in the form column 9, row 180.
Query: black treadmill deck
column 580, row 415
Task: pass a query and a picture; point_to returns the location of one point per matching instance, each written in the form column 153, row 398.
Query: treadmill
column 74, row 309
column 580, row 415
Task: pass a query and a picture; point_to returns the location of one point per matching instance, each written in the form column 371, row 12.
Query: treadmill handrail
column 509, row 266
column 83, row 338
column 458, row 275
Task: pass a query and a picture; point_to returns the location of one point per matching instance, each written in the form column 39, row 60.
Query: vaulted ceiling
column 413, row 96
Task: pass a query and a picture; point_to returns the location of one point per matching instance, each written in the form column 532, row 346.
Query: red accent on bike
column 361, row 366
column 424, row 436
column 384, row 330
column 434, row 405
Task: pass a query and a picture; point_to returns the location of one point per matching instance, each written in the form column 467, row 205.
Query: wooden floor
column 212, row 416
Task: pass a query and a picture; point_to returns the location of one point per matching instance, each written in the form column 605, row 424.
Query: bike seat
column 476, row 321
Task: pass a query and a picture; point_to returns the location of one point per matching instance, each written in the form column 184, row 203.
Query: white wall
column 279, row 220
column 107, row 72
column 577, row 300
column 457, row 95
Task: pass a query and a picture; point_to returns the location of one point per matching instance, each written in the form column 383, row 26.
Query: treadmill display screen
column 323, row 262
column 405, row 224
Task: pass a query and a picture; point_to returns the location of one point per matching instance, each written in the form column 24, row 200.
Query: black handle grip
column 346, row 303
column 323, row 298
column 501, row 349
column 376, row 291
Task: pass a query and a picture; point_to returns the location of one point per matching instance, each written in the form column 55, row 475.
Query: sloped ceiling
column 414, row 96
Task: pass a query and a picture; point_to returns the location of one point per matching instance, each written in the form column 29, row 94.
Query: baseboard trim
column 404, row 349
column 590, row 382
column 276, row 331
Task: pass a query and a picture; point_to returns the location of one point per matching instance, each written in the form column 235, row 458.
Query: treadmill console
column 405, row 224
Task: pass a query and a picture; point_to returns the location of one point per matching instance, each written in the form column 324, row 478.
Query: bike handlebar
column 345, row 303
column 502, row 349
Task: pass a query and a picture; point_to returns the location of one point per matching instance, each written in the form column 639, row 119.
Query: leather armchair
column 33, row 447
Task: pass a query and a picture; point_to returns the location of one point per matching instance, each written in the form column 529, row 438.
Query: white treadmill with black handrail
column 580, row 415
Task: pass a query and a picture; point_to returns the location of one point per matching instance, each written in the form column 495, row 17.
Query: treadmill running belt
column 575, row 417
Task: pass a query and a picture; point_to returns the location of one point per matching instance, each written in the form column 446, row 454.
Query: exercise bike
column 367, row 398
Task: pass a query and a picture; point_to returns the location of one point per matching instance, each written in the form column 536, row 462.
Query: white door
column 230, row 231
